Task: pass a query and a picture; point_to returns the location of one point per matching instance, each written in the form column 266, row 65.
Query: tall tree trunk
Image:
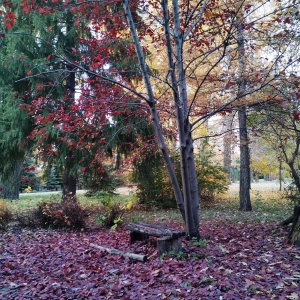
column 69, row 187
column 11, row 186
column 189, row 203
column 69, row 180
column 245, row 178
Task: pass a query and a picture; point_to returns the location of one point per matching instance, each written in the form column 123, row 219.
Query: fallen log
column 134, row 256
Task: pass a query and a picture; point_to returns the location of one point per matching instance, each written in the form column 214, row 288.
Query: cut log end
column 168, row 244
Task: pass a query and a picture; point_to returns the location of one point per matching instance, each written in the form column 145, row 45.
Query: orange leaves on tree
column 208, row 14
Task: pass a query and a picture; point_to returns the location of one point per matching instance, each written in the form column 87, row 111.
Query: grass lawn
column 268, row 205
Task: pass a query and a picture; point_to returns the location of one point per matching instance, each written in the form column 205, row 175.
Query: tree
column 15, row 124
column 195, row 37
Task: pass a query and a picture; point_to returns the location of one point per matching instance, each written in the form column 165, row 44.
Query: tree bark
column 69, row 187
column 245, row 178
column 167, row 244
column 294, row 236
column 179, row 86
column 11, row 186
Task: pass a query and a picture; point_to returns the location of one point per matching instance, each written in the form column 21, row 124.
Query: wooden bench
column 168, row 240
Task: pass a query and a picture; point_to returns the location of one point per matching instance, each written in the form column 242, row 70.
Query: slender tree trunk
column 188, row 170
column 189, row 203
column 245, row 178
column 69, row 180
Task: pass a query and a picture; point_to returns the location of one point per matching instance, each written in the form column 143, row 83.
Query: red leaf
column 296, row 115
column 25, row 10
column 228, row 85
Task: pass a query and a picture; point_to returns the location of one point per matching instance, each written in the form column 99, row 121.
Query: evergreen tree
column 29, row 179
column 53, row 180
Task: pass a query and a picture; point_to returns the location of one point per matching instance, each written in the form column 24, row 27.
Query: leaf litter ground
column 237, row 260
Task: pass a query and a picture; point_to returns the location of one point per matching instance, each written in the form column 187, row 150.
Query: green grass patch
column 267, row 206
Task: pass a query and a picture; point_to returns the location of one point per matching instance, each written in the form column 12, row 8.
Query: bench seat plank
column 154, row 230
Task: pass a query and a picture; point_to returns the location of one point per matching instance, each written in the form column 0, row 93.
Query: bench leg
column 168, row 244
column 138, row 236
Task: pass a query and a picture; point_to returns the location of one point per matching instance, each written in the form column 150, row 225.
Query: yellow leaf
column 207, row 14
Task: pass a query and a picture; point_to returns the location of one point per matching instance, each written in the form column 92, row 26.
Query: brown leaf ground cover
column 236, row 260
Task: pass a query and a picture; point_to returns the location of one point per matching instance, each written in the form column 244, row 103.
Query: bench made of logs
column 168, row 240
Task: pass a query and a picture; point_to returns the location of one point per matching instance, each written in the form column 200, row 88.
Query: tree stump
column 168, row 244
column 294, row 236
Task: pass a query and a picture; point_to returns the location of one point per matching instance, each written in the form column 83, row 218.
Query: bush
column 61, row 215
column 154, row 186
column 28, row 218
column 111, row 212
column 98, row 179
column 5, row 214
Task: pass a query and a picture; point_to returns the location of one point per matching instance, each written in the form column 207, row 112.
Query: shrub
column 5, row 214
column 98, row 179
column 111, row 211
column 61, row 215
column 28, row 218
column 154, row 186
